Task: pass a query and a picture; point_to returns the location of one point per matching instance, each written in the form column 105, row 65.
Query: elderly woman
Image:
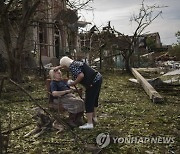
column 64, row 95
column 91, row 80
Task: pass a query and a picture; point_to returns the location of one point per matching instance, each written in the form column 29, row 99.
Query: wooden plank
column 153, row 94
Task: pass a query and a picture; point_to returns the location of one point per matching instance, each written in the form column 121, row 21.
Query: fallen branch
column 16, row 128
column 25, row 100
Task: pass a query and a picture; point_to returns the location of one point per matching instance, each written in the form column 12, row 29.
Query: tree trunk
column 14, row 67
column 127, row 55
column 15, row 52
column 15, row 72
column 127, row 65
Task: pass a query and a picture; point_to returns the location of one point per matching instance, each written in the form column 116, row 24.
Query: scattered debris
column 175, row 72
column 134, row 80
column 149, row 69
column 165, row 57
column 170, row 64
column 170, row 78
column 155, row 82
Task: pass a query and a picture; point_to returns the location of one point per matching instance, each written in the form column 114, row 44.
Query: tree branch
column 76, row 6
column 17, row 128
column 24, row 22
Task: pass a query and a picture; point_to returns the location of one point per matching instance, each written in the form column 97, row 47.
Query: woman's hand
column 78, row 79
column 57, row 68
column 70, row 82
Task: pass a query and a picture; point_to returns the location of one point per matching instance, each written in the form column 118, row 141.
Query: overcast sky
column 120, row 11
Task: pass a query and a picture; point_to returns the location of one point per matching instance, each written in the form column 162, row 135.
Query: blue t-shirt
column 58, row 86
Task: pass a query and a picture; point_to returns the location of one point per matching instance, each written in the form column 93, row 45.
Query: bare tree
column 143, row 19
column 78, row 4
column 177, row 34
column 14, row 52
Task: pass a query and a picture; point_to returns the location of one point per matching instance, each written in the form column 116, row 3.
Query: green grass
column 124, row 110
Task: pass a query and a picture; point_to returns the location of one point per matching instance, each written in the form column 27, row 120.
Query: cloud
column 120, row 11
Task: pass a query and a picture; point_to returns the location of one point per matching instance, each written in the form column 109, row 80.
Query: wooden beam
column 153, row 94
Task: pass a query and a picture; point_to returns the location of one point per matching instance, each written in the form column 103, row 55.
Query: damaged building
column 53, row 33
column 116, row 43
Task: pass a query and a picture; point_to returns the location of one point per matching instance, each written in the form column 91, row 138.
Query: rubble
column 171, row 78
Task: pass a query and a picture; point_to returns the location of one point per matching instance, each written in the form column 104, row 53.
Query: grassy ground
column 125, row 111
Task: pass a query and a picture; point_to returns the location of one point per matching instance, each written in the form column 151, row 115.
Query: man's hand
column 69, row 91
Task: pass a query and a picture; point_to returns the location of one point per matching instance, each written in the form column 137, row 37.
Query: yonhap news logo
column 104, row 139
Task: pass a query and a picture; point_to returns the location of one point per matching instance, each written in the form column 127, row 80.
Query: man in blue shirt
column 63, row 94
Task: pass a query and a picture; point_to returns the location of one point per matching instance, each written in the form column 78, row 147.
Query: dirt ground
column 124, row 112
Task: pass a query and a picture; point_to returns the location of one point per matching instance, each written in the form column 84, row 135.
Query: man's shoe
column 86, row 126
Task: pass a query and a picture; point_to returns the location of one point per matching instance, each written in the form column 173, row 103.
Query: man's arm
column 61, row 93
